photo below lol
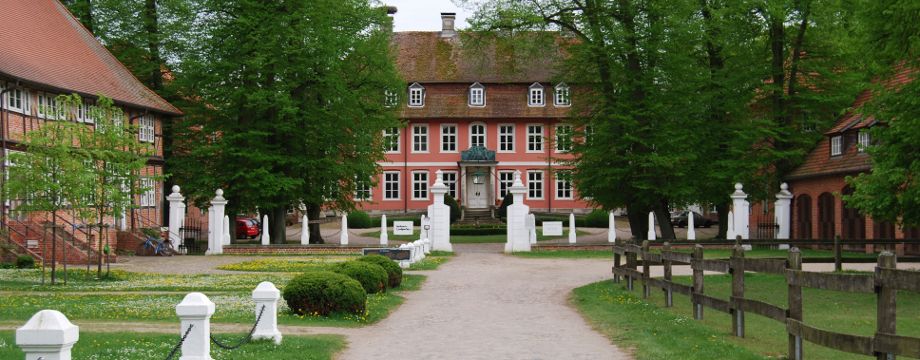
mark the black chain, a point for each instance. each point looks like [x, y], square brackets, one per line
[245, 339]
[179, 345]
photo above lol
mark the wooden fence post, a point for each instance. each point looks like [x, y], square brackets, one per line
[645, 269]
[838, 260]
[887, 304]
[630, 264]
[737, 271]
[668, 294]
[616, 260]
[794, 312]
[697, 280]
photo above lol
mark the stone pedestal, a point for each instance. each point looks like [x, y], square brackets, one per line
[195, 310]
[439, 213]
[216, 224]
[176, 215]
[518, 238]
[48, 335]
[266, 295]
[741, 210]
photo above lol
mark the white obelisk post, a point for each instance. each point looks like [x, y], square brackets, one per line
[305, 230]
[611, 228]
[651, 225]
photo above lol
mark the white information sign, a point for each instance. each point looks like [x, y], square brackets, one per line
[552, 228]
[402, 228]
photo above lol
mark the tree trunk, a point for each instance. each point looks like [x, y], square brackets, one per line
[316, 237]
[276, 226]
[638, 221]
[722, 209]
[664, 221]
[152, 31]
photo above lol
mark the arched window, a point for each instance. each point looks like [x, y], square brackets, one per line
[477, 134]
[826, 216]
[477, 95]
[853, 223]
[803, 216]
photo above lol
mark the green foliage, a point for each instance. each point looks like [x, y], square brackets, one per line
[454, 208]
[324, 293]
[359, 220]
[373, 277]
[394, 272]
[25, 262]
[503, 207]
[597, 219]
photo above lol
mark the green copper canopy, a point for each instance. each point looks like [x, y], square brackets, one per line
[477, 154]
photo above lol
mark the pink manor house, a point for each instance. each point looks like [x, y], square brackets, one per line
[470, 117]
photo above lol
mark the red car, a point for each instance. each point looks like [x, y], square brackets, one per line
[247, 228]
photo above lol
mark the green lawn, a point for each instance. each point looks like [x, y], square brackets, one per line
[118, 280]
[145, 346]
[611, 309]
[432, 261]
[286, 265]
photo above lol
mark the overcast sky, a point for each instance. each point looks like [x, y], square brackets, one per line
[425, 15]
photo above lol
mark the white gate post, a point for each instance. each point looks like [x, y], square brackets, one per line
[266, 295]
[651, 225]
[439, 213]
[266, 237]
[216, 226]
[305, 230]
[226, 237]
[48, 335]
[783, 212]
[384, 237]
[532, 228]
[611, 228]
[741, 209]
[176, 215]
[518, 238]
[343, 234]
[195, 310]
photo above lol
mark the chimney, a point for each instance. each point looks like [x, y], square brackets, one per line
[447, 25]
[391, 13]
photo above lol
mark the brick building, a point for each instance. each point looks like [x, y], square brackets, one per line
[44, 52]
[478, 122]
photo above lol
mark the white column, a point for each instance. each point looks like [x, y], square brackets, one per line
[439, 213]
[741, 210]
[216, 226]
[532, 228]
[730, 232]
[48, 335]
[691, 226]
[176, 215]
[783, 210]
[305, 230]
[195, 310]
[226, 238]
[266, 237]
[651, 225]
[518, 238]
[611, 228]
[384, 236]
[572, 231]
[343, 235]
[266, 296]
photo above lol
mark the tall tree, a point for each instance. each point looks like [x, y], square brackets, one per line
[289, 105]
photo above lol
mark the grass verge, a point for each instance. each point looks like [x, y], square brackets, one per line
[432, 261]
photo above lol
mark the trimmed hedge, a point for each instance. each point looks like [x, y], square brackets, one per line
[373, 277]
[25, 262]
[359, 220]
[394, 272]
[323, 293]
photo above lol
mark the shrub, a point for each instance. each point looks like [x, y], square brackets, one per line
[597, 219]
[371, 276]
[454, 208]
[323, 293]
[359, 220]
[503, 208]
[25, 262]
[394, 272]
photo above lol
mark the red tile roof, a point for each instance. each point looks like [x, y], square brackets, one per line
[41, 42]
[853, 120]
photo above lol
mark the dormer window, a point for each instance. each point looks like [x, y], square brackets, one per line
[416, 95]
[836, 145]
[561, 97]
[535, 95]
[477, 95]
[864, 140]
[391, 98]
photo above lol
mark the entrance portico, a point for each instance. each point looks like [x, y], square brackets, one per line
[477, 169]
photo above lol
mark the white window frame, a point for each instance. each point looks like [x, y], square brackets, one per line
[477, 95]
[557, 137]
[485, 133]
[390, 99]
[22, 99]
[450, 179]
[502, 136]
[146, 128]
[535, 146]
[83, 112]
[48, 107]
[420, 138]
[564, 186]
[536, 95]
[420, 185]
[416, 95]
[864, 140]
[534, 186]
[149, 197]
[387, 134]
[589, 134]
[837, 145]
[363, 187]
[452, 136]
[562, 95]
[391, 178]
[505, 180]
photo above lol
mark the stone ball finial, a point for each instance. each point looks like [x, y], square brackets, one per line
[219, 192]
[784, 186]
[175, 189]
[738, 186]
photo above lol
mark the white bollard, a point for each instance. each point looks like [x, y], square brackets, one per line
[572, 231]
[48, 335]
[532, 228]
[651, 225]
[384, 236]
[691, 226]
[730, 231]
[266, 237]
[305, 230]
[343, 234]
[611, 228]
[266, 296]
[195, 311]
[226, 238]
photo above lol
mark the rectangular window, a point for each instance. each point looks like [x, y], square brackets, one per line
[836, 145]
[391, 99]
[562, 96]
[477, 97]
[420, 185]
[534, 138]
[420, 138]
[450, 179]
[83, 113]
[535, 185]
[416, 96]
[15, 99]
[362, 190]
[145, 126]
[563, 185]
[391, 140]
[149, 197]
[589, 134]
[477, 135]
[506, 138]
[536, 97]
[391, 185]
[864, 140]
[505, 180]
[563, 138]
[448, 138]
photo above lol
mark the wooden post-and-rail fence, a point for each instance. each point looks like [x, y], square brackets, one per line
[885, 283]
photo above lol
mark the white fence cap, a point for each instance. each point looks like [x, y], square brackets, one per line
[47, 328]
